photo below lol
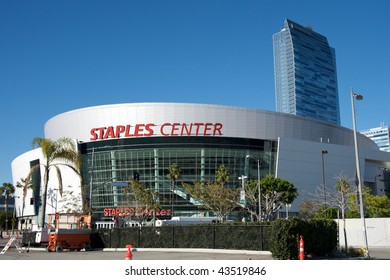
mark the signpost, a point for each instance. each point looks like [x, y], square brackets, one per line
[242, 192]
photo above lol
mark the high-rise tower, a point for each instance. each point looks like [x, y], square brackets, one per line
[305, 74]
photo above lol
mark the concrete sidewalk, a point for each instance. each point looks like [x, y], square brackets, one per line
[39, 253]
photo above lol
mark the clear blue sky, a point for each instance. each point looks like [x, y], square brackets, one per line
[56, 56]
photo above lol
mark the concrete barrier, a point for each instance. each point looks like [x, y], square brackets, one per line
[377, 229]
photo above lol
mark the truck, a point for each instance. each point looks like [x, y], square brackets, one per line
[187, 221]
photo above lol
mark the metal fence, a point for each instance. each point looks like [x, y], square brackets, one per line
[238, 237]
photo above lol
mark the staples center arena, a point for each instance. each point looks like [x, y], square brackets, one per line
[118, 141]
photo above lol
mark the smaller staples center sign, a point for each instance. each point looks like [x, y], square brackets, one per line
[131, 211]
[151, 129]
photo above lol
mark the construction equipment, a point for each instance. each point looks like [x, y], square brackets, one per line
[69, 232]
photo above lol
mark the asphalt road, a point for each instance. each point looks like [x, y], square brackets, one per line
[151, 254]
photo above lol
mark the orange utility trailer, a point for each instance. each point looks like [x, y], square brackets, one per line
[69, 232]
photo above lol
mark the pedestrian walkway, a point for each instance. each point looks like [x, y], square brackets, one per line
[40, 253]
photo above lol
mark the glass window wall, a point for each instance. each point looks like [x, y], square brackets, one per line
[108, 168]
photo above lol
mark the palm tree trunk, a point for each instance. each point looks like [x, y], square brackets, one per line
[44, 194]
[6, 213]
[172, 196]
[345, 239]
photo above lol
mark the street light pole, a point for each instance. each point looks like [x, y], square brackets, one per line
[323, 178]
[242, 193]
[242, 178]
[91, 179]
[258, 182]
[359, 97]
[376, 184]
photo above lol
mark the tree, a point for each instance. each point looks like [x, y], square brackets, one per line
[307, 209]
[61, 152]
[324, 201]
[222, 175]
[343, 188]
[252, 197]
[7, 189]
[71, 202]
[276, 192]
[215, 197]
[374, 206]
[26, 186]
[174, 174]
[378, 206]
[143, 197]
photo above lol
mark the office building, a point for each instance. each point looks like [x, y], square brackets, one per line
[380, 135]
[305, 74]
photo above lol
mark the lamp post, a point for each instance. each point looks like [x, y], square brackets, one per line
[359, 97]
[242, 196]
[91, 179]
[376, 184]
[323, 178]
[258, 182]
[242, 193]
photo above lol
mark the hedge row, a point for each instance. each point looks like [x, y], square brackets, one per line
[319, 235]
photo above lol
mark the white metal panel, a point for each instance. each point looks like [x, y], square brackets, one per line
[237, 122]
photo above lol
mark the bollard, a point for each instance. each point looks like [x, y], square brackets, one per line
[129, 255]
[301, 249]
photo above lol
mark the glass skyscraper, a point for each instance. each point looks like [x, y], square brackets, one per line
[305, 74]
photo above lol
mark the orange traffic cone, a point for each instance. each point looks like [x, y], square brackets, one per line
[301, 249]
[129, 255]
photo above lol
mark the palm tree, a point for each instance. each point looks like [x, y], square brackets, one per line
[26, 186]
[222, 175]
[61, 152]
[7, 189]
[173, 175]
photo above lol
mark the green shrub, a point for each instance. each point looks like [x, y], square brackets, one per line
[319, 235]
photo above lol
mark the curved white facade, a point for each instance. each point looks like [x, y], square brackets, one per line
[168, 119]
[143, 136]
[55, 203]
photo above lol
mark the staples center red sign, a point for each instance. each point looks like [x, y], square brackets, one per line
[151, 129]
[131, 211]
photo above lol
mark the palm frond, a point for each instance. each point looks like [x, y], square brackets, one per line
[59, 177]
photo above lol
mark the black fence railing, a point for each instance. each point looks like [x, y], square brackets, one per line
[236, 237]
